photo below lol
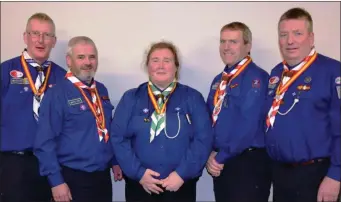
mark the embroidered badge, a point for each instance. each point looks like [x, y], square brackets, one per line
[256, 83]
[303, 87]
[25, 88]
[307, 79]
[214, 86]
[21, 81]
[82, 107]
[145, 110]
[75, 101]
[234, 85]
[105, 98]
[270, 92]
[338, 80]
[16, 74]
[274, 80]
[177, 108]
[51, 85]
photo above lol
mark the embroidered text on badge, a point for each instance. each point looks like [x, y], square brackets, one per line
[75, 101]
[21, 81]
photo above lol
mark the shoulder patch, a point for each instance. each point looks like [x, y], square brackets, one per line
[338, 80]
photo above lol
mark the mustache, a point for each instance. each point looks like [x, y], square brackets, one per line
[86, 67]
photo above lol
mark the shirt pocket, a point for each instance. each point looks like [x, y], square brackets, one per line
[140, 121]
[178, 124]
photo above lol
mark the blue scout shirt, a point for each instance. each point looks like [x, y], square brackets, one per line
[186, 154]
[67, 132]
[18, 125]
[312, 127]
[240, 122]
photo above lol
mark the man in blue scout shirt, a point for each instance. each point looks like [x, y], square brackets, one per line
[72, 142]
[239, 161]
[24, 81]
[303, 120]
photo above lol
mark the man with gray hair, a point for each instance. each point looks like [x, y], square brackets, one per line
[72, 142]
[24, 81]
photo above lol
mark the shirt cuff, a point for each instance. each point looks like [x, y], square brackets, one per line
[221, 157]
[114, 161]
[334, 172]
[55, 179]
[140, 173]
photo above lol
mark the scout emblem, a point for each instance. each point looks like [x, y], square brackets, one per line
[145, 110]
[307, 79]
[82, 107]
[256, 83]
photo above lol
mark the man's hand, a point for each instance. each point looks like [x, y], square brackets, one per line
[173, 182]
[212, 166]
[149, 183]
[61, 193]
[329, 190]
[116, 170]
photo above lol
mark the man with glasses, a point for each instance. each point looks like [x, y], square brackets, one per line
[24, 80]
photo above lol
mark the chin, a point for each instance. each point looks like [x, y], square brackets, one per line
[41, 55]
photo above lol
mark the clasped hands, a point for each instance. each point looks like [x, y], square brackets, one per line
[152, 185]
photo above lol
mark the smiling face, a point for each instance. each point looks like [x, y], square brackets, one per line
[232, 46]
[83, 61]
[295, 40]
[161, 67]
[40, 39]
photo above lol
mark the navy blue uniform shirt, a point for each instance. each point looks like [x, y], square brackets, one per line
[240, 122]
[186, 114]
[311, 129]
[18, 125]
[67, 133]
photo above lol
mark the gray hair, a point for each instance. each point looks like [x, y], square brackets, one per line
[77, 40]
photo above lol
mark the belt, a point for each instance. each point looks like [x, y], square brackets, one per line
[310, 162]
[19, 153]
[246, 150]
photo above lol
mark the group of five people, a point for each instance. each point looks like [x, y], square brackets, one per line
[60, 140]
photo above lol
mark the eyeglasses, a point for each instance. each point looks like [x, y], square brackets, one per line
[36, 35]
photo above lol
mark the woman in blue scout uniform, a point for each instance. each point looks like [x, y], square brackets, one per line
[24, 81]
[161, 133]
[239, 164]
[303, 116]
[72, 142]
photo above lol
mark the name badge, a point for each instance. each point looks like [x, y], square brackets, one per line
[75, 101]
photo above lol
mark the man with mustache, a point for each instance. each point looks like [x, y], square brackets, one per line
[72, 142]
[24, 81]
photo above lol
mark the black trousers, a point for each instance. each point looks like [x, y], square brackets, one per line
[134, 192]
[20, 180]
[88, 186]
[245, 178]
[298, 183]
